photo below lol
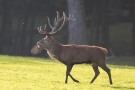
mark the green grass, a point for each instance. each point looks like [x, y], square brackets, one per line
[30, 73]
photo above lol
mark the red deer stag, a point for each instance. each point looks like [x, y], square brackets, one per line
[72, 54]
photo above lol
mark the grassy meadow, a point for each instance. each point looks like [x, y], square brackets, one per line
[31, 73]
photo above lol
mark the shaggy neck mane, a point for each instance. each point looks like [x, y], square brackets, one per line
[55, 50]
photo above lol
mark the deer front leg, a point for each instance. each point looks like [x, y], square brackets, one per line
[69, 68]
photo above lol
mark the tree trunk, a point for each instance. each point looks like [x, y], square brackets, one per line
[133, 45]
[133, 23]
[6, 27]
[104, 24]
[17, 36]
[93, 22]
[24, 27]
[77, 29]
[97, 14]
[4, 22]
[31, 30]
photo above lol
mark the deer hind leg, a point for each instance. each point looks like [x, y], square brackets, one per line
[95, 68]
[69, 68]
[73, 78]
[107, 70]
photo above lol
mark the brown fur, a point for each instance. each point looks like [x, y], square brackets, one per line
[72, 54]
[76, 54]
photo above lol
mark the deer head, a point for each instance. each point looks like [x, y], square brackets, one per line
[48, 41]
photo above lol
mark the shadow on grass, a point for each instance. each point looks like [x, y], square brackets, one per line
[122, 61]
[119, 87]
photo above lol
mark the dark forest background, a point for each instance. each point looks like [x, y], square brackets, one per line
[106, 23]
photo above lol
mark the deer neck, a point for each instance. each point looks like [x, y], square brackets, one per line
[55, 50]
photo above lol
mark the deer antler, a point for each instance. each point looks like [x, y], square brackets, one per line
[56, 23]
[40, 30]
[65, 20]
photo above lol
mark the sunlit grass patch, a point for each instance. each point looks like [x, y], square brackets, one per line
[30, 73]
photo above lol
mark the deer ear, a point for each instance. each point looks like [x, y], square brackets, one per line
[49, 37]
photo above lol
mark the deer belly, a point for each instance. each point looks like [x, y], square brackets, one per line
[81, 59]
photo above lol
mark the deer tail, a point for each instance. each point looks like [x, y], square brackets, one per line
[105, 51]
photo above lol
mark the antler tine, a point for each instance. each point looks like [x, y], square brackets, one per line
[45, 29]
[64, 21]
[40, 30]
[58, 15]
[57, 20]
[56, 23]
[49, 23]
[69, 18]
[64, 16]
